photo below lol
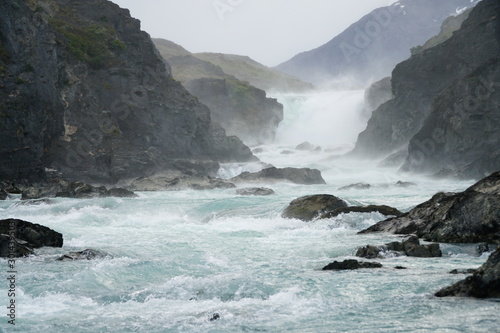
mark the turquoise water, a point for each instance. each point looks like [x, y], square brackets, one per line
[178, 258]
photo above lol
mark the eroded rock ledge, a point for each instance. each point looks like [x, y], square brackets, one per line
[472, 216]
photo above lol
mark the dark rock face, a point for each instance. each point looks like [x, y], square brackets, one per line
[377, 94]
[303, 176]
[410, 247]
[261, 191]
[418, 81]
[85, 92]
[311, 207]
[484, 283]
[382, 209]
[461, 137]
[350, 264]
[241, 109]
[471, 216]
[370, 48]
[26, 236]
[87, 254]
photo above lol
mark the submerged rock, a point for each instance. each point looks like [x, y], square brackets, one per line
[410, 247]
[382, 209]
[12, 247]
[484, 283]
[471, 216]
[87, 254]
[463, 271]
[81, 190]
[27, 235]
[309, 207]
[357, 186]
[304, 176]
[305, 146]
[255, 191]
[160, 183]
[350, 264]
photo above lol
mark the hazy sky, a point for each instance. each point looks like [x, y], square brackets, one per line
[269, 31]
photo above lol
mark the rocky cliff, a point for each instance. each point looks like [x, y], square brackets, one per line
[85, 93]
[449, 88]
[239, 107]
[369, 49]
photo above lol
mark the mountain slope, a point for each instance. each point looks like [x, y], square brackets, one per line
[445, 102]
[369, 49]
[258, 75]
[85, 93]
[240, 108]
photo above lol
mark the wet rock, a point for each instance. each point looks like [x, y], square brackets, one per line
[382, 209]
[160, 183]
[482, 248]
[11, 247]
[255, 191]
[405, 184]
[304, 176]
[305, 146]
[87, 254]
[463, 271]
[471, 216]
[215, 317]
[484, 283]
[287, 152]
[309, 207]
[350, 264]
[410, 247]
[120, 193]
[29, 235]
[400, 267]
[357, 186]
[3, 195]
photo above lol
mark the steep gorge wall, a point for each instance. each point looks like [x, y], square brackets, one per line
[86, 93]
[417, 81]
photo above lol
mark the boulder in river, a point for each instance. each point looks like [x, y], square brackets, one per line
[310, 207]
[382, 209]
[87, 254]
[260, 191]
[357, 186]
[484, 283]
[304, 176]
[26, 235]
[410, 247]
[471, 216]
[350, 264]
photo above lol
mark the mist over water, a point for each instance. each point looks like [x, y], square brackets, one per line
[330, 119]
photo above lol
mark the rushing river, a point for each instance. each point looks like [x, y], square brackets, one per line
[213, 261]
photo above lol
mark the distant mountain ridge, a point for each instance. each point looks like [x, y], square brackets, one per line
[369, 49]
